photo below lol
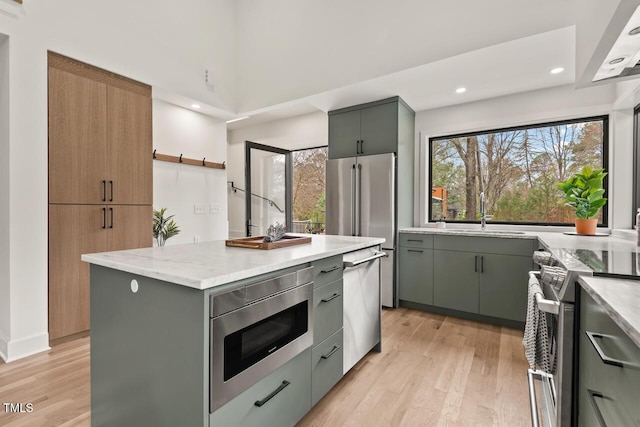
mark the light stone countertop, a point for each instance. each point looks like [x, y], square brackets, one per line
[620, 298]
[209, 264]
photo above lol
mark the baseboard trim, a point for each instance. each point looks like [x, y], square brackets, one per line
[25, 347]
[4, 346]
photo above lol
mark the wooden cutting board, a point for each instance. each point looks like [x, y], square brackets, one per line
[258, 242]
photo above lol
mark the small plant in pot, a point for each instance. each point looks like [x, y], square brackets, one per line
[163, 227]
[584, 193]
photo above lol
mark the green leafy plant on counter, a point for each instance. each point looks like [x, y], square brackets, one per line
[584, 192]
[163, 227]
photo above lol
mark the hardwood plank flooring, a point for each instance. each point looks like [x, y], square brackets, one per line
[433, 371]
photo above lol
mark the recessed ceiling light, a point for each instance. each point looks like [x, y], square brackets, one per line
[557, 70]
[616, 61]
[634, 31]
[195, 106]
[237, 120]
[461, 90]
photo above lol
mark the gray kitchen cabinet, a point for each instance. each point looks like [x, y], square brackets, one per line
[367, 129]
[608, 370]
[416, 275]
[502, 290]
[259, 406]
[456, 281]
[327, 310]
[326, 366]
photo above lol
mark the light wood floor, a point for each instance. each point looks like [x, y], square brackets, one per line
[433, 371]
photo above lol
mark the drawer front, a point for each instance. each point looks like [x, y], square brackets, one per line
[618, 383]
[488, 245]
[416, 240]
[326, 361]
[285, 408]
[327, 270]
[327, 310]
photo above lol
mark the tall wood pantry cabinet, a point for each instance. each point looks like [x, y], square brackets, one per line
[100, 179]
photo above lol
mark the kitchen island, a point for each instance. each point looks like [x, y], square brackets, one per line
[164, 351]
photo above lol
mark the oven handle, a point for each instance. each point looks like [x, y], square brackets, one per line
[260, 403]
[349, 264]
[605, 359]
[545, 305]
[531, 377]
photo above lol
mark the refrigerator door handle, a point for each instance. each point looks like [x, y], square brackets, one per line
[353, 201]
[358, 197]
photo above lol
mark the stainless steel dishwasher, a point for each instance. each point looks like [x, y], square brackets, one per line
[361, 296]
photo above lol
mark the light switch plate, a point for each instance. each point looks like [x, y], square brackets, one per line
[214, 209]
[199, 209]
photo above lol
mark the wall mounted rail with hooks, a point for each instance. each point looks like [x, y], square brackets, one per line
[271, 202]
[187, 161]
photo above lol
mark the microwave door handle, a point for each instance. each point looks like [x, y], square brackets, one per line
[349, 264]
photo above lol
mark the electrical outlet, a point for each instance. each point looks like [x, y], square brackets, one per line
[214, 209]
[199, 209]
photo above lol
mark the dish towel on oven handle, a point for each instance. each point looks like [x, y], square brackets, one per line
[536, 333]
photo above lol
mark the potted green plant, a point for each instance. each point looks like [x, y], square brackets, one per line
[583, 192]
[163, 227]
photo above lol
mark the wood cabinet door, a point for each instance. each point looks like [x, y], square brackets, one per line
[379, 129]
[77, 138]
[455, 277]
[504, 286]
[130, 227]
[130, 168]
[344, 133]
[73, 230]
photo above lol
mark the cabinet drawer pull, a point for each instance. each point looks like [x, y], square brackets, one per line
[482, 264]
[111, 185]
[104, 218]
[414, 240]
[260, 403]
[334, 268]
[334, 296]
[111, 212]
[104, 190]
[333, 350]
[592, 395]
[475, 264]
[415, 250]
[605, 359]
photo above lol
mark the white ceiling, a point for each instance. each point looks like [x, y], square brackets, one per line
[511, 67]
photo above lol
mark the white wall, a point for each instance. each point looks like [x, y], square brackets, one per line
[530, 107]
[4, 195]
[178, 187]
[309, 130]
[159, 42]
[288, 49]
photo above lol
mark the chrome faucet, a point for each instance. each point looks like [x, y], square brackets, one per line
[483, 214]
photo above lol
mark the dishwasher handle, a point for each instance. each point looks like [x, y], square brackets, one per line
[349, 264]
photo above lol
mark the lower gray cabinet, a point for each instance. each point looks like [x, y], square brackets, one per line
[503, 286]
[281, 398]
[326, 366]
[416, 275]
[455, 276]
[327, 311]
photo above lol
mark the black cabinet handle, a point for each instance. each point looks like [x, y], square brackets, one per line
[415, 250]
[111, 211]
[605, 359]
[334, 296]
[333, 350]
[475, 264]
[482, 264]
[260, 403]
[104, 190]
[111, 184]
[362, 146]
[592, 395]
[358, 147]
[414, 240]
[104, 217]
[334, 268]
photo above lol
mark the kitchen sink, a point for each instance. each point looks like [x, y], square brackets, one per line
[472, 230]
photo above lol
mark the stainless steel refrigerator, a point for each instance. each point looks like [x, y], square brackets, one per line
[360, 201]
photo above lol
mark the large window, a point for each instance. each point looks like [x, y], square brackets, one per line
[516, 168]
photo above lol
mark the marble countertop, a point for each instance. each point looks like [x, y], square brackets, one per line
[620, 298]
[209, 264]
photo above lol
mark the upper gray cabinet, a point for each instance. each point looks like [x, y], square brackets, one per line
[367, 129]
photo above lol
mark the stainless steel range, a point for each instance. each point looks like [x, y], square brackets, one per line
[557, 304]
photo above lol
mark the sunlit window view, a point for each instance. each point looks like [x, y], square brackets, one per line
[308, 192]
[516, 168]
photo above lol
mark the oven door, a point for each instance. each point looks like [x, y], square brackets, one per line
[249, 343]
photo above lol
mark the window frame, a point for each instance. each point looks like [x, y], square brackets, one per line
[605, 164]
[636, 165]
